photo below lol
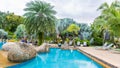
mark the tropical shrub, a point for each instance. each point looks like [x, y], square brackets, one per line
[98, 41]
[20, 31]
[77, 39]
[3, 33]
[62, 24]
[73, 28]
[85, 31]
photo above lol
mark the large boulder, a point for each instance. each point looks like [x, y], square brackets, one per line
[42, 48]
[21, 52]
[9, 45]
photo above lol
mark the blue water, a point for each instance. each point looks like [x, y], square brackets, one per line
[58, 58]
[1, 43]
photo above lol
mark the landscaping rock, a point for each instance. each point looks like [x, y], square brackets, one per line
[65, 47]
[43, 48]
[9, 45]
[68, 47]
[21, 53]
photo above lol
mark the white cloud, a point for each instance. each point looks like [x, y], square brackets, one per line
[79, 10]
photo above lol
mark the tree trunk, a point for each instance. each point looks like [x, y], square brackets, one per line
[40, 38]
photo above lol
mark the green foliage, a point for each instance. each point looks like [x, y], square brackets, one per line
[82, 41]
[62, 24]
[50, 37]
[12, 22]
[2, 19]
[109, 20]
[111, 15]
[10, 35]
[98, 41]
[40, 18]
[77, 39]
[87, 41]
[114, 23]
[20, 31]
[3, 33]
[85, 31]
[67, 40]
[63, 33]
[73, 28]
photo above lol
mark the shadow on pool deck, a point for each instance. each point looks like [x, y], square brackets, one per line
[104, 55]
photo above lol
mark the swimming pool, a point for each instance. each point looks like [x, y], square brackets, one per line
[1, 43]
[58, 58]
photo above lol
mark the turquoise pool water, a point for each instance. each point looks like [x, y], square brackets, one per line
[1, 43]
[58, 58]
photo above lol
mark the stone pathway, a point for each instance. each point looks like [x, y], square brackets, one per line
[104, 55]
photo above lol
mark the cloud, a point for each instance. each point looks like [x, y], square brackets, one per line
[80, 10]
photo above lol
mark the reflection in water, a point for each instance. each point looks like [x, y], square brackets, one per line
[57, 55]
[71, 50]
[58, 58]
[42, 58]
[88, 64]
[36, 61]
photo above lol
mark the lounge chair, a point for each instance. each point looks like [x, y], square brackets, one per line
[78, 43]
[101, 47]
[108, 47]
[85, 44]
[70, 43]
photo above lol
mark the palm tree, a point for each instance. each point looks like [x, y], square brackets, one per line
[39, 18]
[111, 13]
[108, 21]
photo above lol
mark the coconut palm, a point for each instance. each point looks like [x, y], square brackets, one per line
[108, 21]
[108, 9]
[111, 13]
[39, 18]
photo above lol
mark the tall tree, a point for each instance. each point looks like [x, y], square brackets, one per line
[62, 24]
[39, 18]
[111, 14]
[73, 28]
[12, 21]
[108, 21]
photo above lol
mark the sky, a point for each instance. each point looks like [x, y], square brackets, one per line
[82, 11]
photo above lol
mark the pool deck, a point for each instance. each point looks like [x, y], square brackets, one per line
[3, 60]
[105, 55]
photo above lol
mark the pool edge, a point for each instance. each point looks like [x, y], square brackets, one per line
[98, 60]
